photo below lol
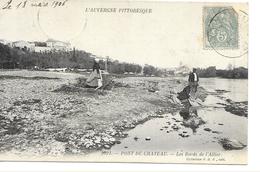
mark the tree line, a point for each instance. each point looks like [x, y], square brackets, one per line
[11, 58]
[230, 73]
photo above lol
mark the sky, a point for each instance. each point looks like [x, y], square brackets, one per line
[170, 34]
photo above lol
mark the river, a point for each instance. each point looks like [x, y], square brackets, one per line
[158, 134]
[238, 88]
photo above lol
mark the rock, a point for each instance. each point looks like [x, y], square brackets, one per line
[216, 132]
[126, 147]
[124, 135]
[97, 139]
[175, 127]
[148, 138]
[221, 91]
[229, 100]
[131, 126]
[152, 90]
[113, 133]
[107, 146]
[184, 135]
[237, 108]
[117, 134]
[112, 139]
[136, 138]
[193, 122]
[3, 132]
[118, 142]
[75, 151]
[231, 144]
[207, 129]
[61, 138]
[91, 133]
[106, 139]
[220, 124]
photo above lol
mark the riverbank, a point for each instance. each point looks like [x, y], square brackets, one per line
[39, 117]
[47, 113]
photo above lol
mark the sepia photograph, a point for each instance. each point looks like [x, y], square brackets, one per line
[124, 81]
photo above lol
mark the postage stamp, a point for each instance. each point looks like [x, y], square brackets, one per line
[220, 28]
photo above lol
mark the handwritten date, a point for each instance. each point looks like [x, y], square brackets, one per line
[11, 4]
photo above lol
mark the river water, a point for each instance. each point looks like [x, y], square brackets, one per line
[158, 134]
[238, 88]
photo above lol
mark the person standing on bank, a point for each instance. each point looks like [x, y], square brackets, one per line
[193, 80]
[95, 78]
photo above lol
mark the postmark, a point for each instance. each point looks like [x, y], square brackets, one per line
[220, 28]
[50, 25]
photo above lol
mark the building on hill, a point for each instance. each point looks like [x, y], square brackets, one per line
[41, 47]
[52, 45]
[58, 45]
[24, 45]
[5, 42]
[49, 46]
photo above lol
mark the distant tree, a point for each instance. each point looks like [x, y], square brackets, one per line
[208, 72]
[236, 73]
[150, 70]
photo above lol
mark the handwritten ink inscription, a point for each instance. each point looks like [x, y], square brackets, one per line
[11, 4]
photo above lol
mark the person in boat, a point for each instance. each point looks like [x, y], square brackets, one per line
[95, 78]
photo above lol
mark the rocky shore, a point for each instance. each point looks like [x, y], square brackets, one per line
[48, 113]
[38, 112]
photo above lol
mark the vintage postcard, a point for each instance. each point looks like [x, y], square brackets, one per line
[123, 81]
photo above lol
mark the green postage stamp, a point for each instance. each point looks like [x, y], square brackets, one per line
[220, 28]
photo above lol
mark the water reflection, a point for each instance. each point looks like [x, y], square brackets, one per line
[191, 118]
